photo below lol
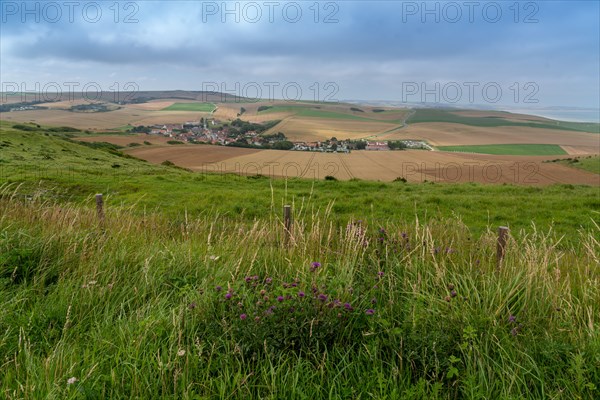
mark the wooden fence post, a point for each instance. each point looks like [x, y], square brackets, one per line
[100, 207]
[501, 247]
[287, 222]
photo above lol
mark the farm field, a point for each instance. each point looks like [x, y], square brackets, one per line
[451, 134]
[413, 165]
[509, 149]
[200, 107]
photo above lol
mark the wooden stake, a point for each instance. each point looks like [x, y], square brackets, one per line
[501, 247]
[100, 207]
[287, 222]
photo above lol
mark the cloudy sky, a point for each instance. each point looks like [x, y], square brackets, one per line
[537, 54]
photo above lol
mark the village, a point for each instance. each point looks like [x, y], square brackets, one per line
[245, 134]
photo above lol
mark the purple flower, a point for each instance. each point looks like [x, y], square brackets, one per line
[243, 316]
[228, 296]
[404, 235]
[512, 318]
[347, 306]
[380, 274]
[301, 294]
[280, 298]
[268, 280]
[323, 297]
[370, 311]
[248, 279]
[453, 293]
[218, 288]
[514, 331]
[314, 266]
[294, 284]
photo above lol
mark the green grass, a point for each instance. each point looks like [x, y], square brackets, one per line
[434, 115]
[589, 163]
[200, 107]
[129, 307]
[509, 149]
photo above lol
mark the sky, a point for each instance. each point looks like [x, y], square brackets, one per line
[502, 54]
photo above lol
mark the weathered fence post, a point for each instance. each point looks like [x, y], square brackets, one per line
[501, 247]
[287, 222]
[100, 208]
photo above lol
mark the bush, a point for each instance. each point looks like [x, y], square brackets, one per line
[330, 178]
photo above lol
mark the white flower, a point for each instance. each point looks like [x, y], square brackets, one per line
[71, 380]
[181, 353]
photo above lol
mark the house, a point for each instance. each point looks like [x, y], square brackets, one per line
[377, 146]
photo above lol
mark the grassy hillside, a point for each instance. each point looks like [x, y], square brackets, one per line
[589, 163]
[189, 288]
[435, 115]
[216, 307]
[200, 107]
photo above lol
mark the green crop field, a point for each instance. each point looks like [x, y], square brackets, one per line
[509, 149]
[433, 115]
[189, 286]
[200, 107]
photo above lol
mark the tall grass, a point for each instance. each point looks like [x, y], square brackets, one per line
[144, 307]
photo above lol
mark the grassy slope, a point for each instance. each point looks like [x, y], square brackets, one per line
[433, 115]
[201, 107]
[131, 310]
[509, 149]
[589, 163]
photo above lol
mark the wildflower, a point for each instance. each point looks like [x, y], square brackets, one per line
[294, 284]
[192, 306]
[323, 297]
[348, 306]
[181, 353]
[228, 296]
[373, 301]
[218, 288]
[314, 266]
[453, 293]
[268, 280]
[450, 287]
[248, 279]
[447, 298]
[257, 318]
[370, 311]
[243, 316]
[514, 331]
[71, 380]
[280, 298]
[404, 235]
[512, 319]
[262, 292]
[285, 285]
[301, 294]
